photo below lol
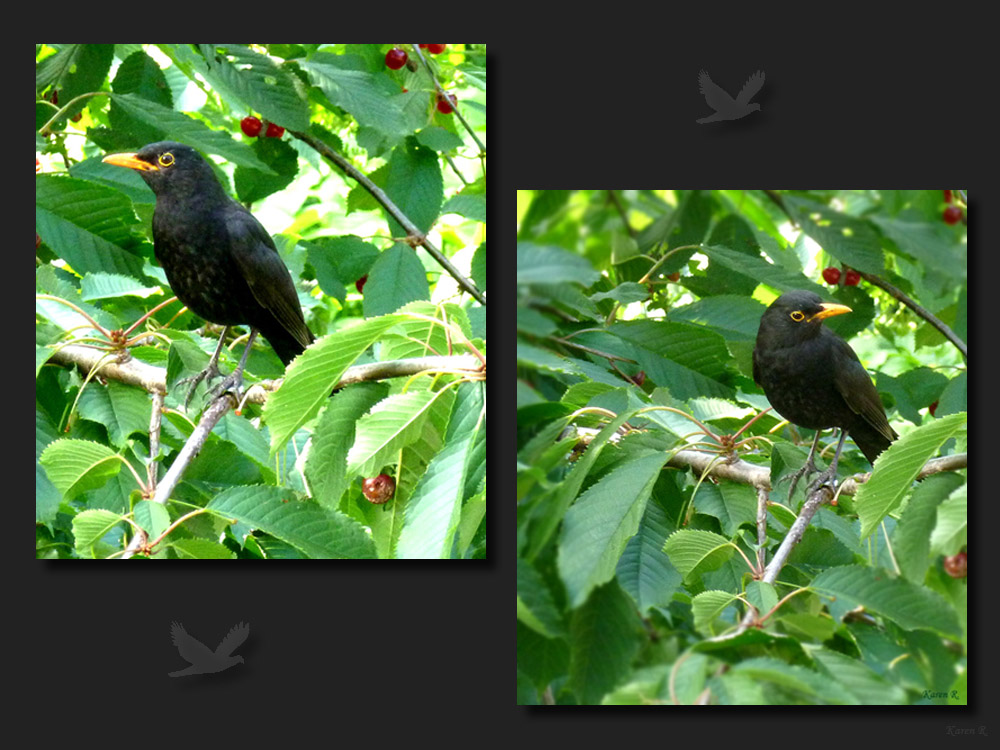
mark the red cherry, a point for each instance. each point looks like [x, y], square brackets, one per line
[957, 566]
[274, 131]
[379, 489]
[852, 277]
[360, 283]
[395, 58]
[947, 196]
[952, 215]
[250, 126]
[831, 274]
[932, 408]
[639, 378]
[422, 46]
[436, 49]
[445, 105]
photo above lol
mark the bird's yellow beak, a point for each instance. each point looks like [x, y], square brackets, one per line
[131, 161]
[829, 310]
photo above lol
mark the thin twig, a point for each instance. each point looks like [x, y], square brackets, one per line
[920, 311]
[443, 93]
[414, 235]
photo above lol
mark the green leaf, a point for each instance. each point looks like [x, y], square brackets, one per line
[396, 278]
[392, 424]
[414, 183]
[604, 636]
[365, 95]
[897, 468]
[283, 161]
[731, 503]
[757, 268]
[541, 359]
[434, 509]
[535, 605]
[258, 82]
[643, 570]
[439, 139]
[75, 69]
[151, 517]
[317, 533]
[690, 359]
[707, 606]
[180, 127]
[123, 409]
[911, 538]
[96, 286]
[950, 533]
[552, 514]
[693, 551]
[326, 467]
[552, 265]
[909, 605]
[625, 293]
[932, 244]
[762, 596]
[76, 466]
[865, 685]
[470, 206]
[734, 318]
[312, 375]
[600, 523]
[201, 549]
[851, 241]
[788, 678]
[90, 526]
[87, 224]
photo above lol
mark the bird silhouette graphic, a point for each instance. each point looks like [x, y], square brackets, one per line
[727, 108]
[203, 659]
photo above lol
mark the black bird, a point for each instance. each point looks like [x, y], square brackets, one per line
[203, 659]
[220, 262]
[813, 378]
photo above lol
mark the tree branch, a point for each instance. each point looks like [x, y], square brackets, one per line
[415, 236]
[131, 371]
[920, 311]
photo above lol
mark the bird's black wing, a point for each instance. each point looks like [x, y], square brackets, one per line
[855, 386]
[191, 648]
[262, 267]
[232, 641]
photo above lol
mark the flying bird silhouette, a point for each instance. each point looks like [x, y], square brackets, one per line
[203, 659]
[727, 108]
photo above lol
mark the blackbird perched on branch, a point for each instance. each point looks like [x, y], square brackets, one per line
[813, 378]
[219, 260]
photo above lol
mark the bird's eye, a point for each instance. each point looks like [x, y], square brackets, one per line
[166, 159]
[797, 316]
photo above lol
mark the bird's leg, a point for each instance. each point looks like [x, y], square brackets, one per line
[210, 372]
[831, 471]
[809, 467]
[235, 379]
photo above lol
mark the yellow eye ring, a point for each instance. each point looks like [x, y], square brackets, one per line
[797, 316]
[166, 159]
